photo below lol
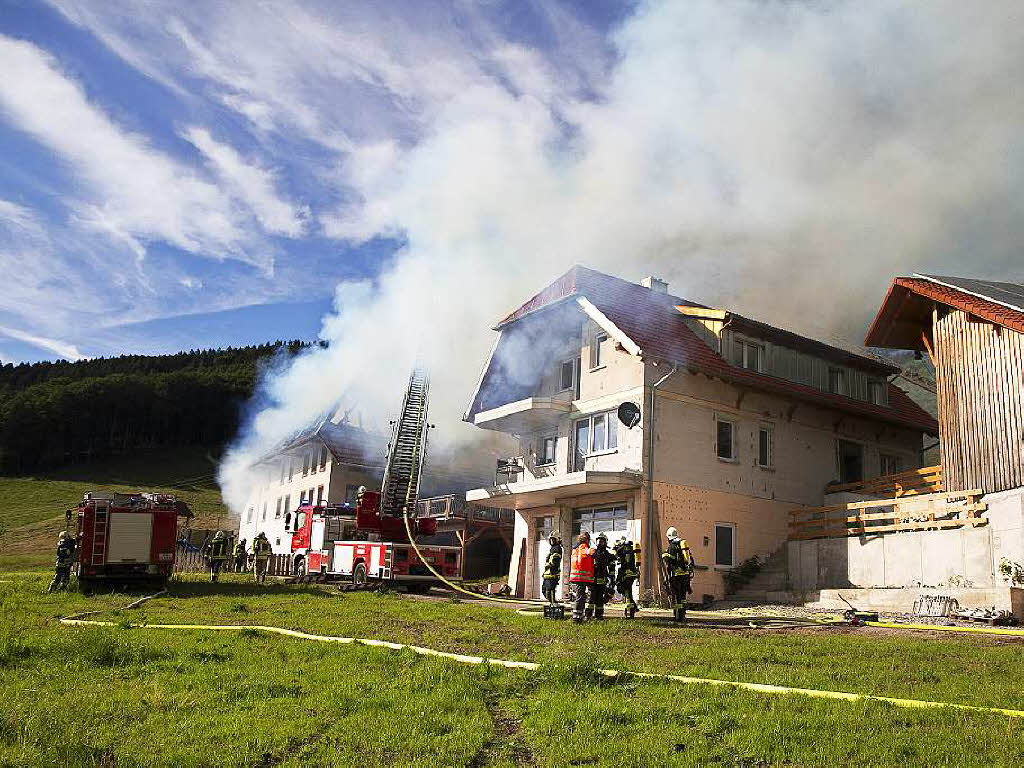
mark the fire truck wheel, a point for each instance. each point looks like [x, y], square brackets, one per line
[300, 568]
[359, 574]
[85, 586]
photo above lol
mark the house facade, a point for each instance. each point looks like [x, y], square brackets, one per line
[733, 423]
[326, 463]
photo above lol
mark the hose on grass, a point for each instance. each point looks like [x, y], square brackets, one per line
[533, 666]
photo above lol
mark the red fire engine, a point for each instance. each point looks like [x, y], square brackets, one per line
[127, 537]
[360, 544]
[369, 541]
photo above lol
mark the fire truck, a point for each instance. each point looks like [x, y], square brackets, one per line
[125, 537]
[368, 542]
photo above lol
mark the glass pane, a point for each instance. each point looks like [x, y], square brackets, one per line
[752, 357]
[763, 448]
[600, 436]
[723, 545]
[725, 439]
[613, 428]
[582, 443]
[567, 371]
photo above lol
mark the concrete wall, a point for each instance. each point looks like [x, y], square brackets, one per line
[914, 558]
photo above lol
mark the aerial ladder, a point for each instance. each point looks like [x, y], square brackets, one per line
[407, 449]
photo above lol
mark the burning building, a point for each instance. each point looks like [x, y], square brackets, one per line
[731, 423]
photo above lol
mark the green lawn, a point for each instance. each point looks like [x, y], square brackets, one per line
[106, 696]
[32, 509]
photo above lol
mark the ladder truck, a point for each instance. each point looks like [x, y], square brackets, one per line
[368, 542]
[126, 537]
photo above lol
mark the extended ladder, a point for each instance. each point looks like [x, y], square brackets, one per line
[408, 448]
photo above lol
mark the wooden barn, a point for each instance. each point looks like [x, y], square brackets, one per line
[973, 331]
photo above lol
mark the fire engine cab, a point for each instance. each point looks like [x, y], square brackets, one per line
[361, 545]
[127, 537]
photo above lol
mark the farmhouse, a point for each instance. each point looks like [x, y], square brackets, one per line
[736, 423]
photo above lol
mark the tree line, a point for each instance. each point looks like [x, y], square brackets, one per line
[58, 413]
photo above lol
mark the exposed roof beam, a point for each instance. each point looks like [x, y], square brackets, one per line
[613, 330]
[702, 313]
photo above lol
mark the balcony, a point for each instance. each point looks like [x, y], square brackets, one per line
[548, 491]
[524, 416]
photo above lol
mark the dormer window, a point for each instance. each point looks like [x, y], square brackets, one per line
[837, 384]
[876, 392]
[749, 355]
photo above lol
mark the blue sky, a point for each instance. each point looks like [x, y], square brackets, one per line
[174, 175]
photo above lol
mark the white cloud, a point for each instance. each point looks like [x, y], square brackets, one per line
[252, 184]
[130, 189]
[60, 348]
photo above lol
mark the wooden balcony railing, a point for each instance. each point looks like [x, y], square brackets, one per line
[951, 509]
[915, 481]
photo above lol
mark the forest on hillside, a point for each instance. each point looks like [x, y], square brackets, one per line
[58, 413]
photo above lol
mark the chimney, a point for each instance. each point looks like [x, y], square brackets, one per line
[655, 284]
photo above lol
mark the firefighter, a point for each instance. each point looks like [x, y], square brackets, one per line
[260, 557]
[679, 568]
[240, 556]
[65, 551]
[552, 567]
[627, 572]
[216, 551]
[581, 575]
[604, 577]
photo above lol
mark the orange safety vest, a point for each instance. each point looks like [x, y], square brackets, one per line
[582, 571]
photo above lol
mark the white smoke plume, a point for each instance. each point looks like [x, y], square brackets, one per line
[785, 159]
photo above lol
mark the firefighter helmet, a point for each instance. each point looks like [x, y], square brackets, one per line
[602, 536]
[672, 533]
[554, 538]
[219, 535]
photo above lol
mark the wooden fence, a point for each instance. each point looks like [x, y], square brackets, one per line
[951, 509]
[195, 562]
[910, 483]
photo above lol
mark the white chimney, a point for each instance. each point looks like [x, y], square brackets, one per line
[655, 284]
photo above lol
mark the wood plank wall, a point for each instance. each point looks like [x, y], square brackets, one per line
[980, 383]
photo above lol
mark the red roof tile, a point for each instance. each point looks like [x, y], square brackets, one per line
[649, 318]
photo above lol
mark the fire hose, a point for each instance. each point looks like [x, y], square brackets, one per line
[460, 658]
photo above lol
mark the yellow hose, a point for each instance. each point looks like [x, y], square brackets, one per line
[533, 666]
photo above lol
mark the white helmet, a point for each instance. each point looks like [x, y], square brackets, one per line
[672, 533]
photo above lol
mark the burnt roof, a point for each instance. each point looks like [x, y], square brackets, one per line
[650, 319]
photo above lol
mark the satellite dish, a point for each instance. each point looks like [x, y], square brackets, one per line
[629, 414]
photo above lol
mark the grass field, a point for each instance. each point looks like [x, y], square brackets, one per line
[130, 696]
[32, 509]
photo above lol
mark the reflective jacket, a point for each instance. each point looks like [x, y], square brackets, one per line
[582, 569]
[65, 550]
[553, 565]
[604, 566]
[678, 561]
[626, 554]
[261, 548]
[239, 549]
[218, 549]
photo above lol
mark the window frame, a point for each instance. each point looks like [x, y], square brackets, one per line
[573, 375]
[842, 378]
[611, 427]
[595, 350]
[839, 462]
[732, 527]
[734, 458]
[542, 459]
[879, 388]
[745, 345]
[770, 450]
[897, 459]
[625, 518]
[277, 513]
[248, 517]
[323, 458]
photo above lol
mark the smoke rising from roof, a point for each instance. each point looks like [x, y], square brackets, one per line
[782, 159]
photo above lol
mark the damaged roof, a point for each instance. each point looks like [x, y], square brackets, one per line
[649, 318]
[347, 443]
[906, 311]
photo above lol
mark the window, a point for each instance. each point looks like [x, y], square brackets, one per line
[288, 502]
[291, 470]
[748, 354]
[582, 444]
[725, 443]
[305, 464]
[287, 520]
[545, 525]
[319, 495]
[890, 463]
[596, 360]
[567, 375]
[248, 517]
[351, 493]
[725, 545]
[323, 458]
[764, 447]
[850, 458]
[595, 520]
[546, 451]
[876, 392]
[596, 434]
[277, 513]
[837, 381]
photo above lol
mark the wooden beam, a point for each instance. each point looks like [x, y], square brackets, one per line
[928, 345]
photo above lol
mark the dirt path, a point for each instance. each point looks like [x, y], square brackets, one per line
[506, 746]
